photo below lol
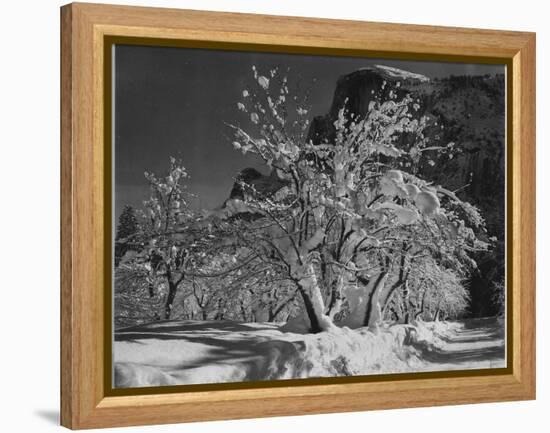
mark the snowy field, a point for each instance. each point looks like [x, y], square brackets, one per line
[194, 352]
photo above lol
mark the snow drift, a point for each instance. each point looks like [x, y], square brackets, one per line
[191, 352]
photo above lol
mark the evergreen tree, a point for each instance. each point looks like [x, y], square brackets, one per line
[127, 226]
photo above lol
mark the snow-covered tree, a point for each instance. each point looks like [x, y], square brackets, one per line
[167, 237]
[428, 293]
[181, 256]
[353, 217]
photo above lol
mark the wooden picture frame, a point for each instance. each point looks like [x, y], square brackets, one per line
[86, 224]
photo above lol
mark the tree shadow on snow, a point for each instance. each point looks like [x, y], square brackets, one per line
[190, 326]
[227, 343]
[494, 353]
[473, 331]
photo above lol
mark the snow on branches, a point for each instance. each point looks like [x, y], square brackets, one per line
[350, 207]
[343, 232]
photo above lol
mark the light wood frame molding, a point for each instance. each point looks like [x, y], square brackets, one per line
[84, 401]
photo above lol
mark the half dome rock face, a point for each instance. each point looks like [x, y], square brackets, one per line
[356, 90]
[467, 110]
[400, 74]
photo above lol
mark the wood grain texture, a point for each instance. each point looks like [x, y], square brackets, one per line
[524, 208]
[84, 26]
[67, 389]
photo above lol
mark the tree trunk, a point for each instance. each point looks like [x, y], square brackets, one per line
[373, 311]
[336, 301]
[407, 303]
[172, 290]
[314, 323]
[311, 294]
[220, 314]
[243, 311]
[401, 280]
[420, 311]
[436, 314]
[363, 301]
[398, 284]
[336, 308]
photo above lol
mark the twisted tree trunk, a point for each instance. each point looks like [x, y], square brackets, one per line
[309, 289]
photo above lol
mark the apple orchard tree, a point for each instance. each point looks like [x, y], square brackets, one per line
[355, 229]
[178, 254]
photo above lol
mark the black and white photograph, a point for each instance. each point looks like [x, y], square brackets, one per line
[285, 216]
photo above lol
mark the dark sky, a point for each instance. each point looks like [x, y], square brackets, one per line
[174, 102]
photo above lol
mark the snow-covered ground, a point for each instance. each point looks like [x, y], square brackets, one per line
[192, 352]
